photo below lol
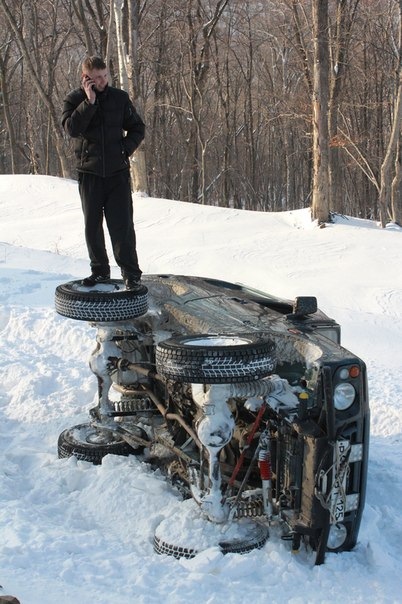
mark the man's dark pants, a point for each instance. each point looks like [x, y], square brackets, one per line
[109, 197]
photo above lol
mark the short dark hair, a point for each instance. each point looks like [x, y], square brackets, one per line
[93, 62]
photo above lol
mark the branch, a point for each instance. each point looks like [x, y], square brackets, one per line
[361, 161]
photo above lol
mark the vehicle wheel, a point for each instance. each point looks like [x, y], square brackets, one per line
[87, 443]
[105, 302]
[177, 551]
[215, 359]
[255, 540]
[251, 536]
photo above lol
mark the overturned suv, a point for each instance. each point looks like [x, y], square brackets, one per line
[247, 402]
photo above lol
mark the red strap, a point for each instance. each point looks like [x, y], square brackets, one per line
[249, 439]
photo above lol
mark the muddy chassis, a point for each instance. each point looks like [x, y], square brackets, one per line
[247, 402]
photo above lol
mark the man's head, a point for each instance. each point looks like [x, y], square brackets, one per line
[95, 69]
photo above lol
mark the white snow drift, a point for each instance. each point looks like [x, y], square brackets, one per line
[75, 533]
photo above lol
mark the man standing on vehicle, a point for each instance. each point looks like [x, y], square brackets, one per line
[107, 130]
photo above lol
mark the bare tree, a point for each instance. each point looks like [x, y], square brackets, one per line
[4, 59]
[391, 160]
[34, 70]
[320, 200]
[92, 17]
[396, 195]
[346, 12]
[201, 24]
[128, 64]
[387, 179]
[227, 91]
[138, 161]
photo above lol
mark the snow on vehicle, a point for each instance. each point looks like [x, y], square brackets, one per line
[247, 402]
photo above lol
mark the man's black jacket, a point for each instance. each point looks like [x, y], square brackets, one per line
[106, 133]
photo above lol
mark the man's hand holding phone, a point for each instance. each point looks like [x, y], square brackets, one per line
[89, 87]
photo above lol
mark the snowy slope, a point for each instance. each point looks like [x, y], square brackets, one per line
[72, 532]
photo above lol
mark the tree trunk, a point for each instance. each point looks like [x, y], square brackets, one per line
[118, 6]
[80, 12]
[396, 193]
[384, 198]
[7, 114]
[320, 202]
[345, 17]
[199, 36]
[138, 160]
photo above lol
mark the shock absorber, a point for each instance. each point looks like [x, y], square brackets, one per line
[264, 464]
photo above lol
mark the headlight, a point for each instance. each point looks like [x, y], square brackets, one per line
[337, 536]
[344, 395]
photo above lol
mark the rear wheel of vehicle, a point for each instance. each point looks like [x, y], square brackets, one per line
[87, 443]
[244, 535]
[215, 359]
[105, 302]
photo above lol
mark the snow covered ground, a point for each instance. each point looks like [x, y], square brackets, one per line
[75, 533]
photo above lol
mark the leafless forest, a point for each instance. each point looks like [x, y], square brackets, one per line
[248, 104]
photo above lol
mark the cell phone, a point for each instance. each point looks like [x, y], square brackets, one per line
[86, 78]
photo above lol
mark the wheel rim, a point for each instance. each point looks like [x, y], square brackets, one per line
[105, 288]
[100, 437]
[217, 341]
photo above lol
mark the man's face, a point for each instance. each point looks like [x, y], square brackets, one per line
[99, 77]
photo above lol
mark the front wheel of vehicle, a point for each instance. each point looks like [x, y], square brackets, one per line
[215, 359]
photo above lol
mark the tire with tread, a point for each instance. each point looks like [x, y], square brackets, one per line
[215, 359]
[240, 546]
[108, 302]
[81, 442]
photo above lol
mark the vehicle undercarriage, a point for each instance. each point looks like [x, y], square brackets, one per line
[248, 403]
